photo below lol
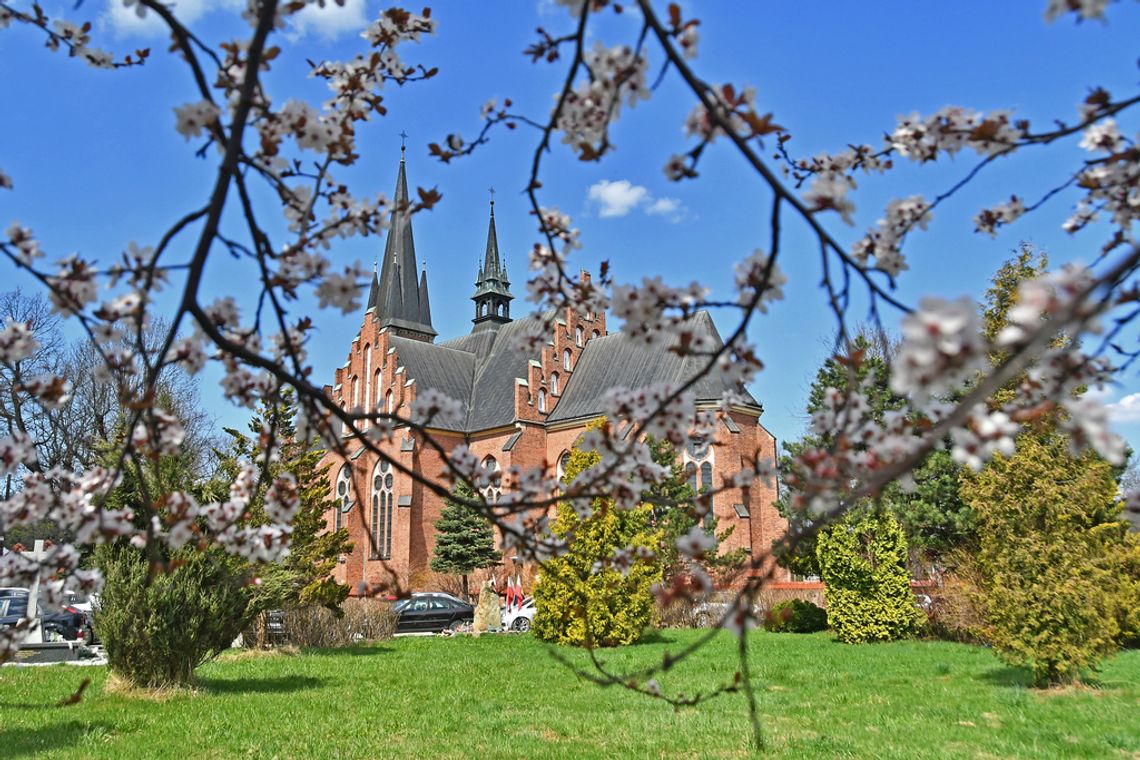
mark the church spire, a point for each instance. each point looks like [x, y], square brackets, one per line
[425, 307]
[401, 304]
[492, 290]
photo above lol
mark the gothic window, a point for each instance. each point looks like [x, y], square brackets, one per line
[494, 489]
[367, 380]
[541, 400]
[566, 359]
[343, 496]
[388, 402]
[382, 509]
[355, 392]
[595, 334]
[563, 463]
[376, 385]
[699, 471]
[554, 383]
[577, 336]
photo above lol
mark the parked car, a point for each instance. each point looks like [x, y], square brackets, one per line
[432, 612]
[83, 604]
[520, 618]
[55, 623]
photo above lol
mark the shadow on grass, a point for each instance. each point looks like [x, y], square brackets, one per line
[364, 650]
[1021, 677]
[1008, 676]
[21, 742]
[275, 685]
[659, 636]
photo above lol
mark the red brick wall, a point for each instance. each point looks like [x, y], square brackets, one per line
[413, 526]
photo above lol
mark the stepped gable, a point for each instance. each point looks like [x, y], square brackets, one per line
[618, 361]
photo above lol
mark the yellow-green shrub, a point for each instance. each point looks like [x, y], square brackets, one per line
[581, 603]
[862, 560]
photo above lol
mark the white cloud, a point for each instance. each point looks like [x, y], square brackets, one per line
[330, 21]
[1126, 410]
[125, 22]
[616, 198]
[668, 207]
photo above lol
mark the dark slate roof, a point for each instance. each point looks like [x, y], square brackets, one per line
[617, 361]
[493, 399]
[446, 370]
[399, 300]
[480, 371]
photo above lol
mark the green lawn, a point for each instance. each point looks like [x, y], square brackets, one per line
[503, 696]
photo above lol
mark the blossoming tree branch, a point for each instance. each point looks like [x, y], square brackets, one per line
[266, 145]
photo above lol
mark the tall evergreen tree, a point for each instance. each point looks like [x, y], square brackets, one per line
[931, 513]
[1052, 544]
[305, 576]
[464, 539]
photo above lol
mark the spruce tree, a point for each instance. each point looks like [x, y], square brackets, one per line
[464, 539]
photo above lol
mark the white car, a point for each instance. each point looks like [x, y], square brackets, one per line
[519, 618]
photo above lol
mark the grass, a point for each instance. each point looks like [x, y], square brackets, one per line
[505, 697]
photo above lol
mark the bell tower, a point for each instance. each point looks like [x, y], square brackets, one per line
[492, 290]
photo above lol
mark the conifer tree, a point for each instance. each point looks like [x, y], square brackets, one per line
[1052, 544]
[464, 539]
[580, 599]
[305, 576]
[931, 514]
[863, 562]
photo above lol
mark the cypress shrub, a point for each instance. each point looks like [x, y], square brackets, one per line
[582, 603]
[1052, 553]
[863, 562]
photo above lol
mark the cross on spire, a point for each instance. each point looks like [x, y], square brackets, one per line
[403, 139]
[491, 190]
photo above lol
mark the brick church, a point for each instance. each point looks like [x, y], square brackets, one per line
[519, 407]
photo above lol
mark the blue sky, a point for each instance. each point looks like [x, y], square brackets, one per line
[97, 163]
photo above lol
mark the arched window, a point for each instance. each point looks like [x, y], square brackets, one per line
[367, 380]
[343, 496]
[577, 336]
[691, 474]
[698, 461]
[554, 383]
[566, 359]
[376, 385]
[388, 401]
[382, 509]
[595, 334]
[355, 393]
[494, 488]
[563, 463]
[541, 400]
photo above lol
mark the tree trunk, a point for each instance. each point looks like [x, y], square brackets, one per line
[466, 595]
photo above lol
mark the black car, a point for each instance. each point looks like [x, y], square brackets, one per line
[69, 625]
[432, 612]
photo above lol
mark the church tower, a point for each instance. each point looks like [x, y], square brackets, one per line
[397, 300]
[492, 290]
